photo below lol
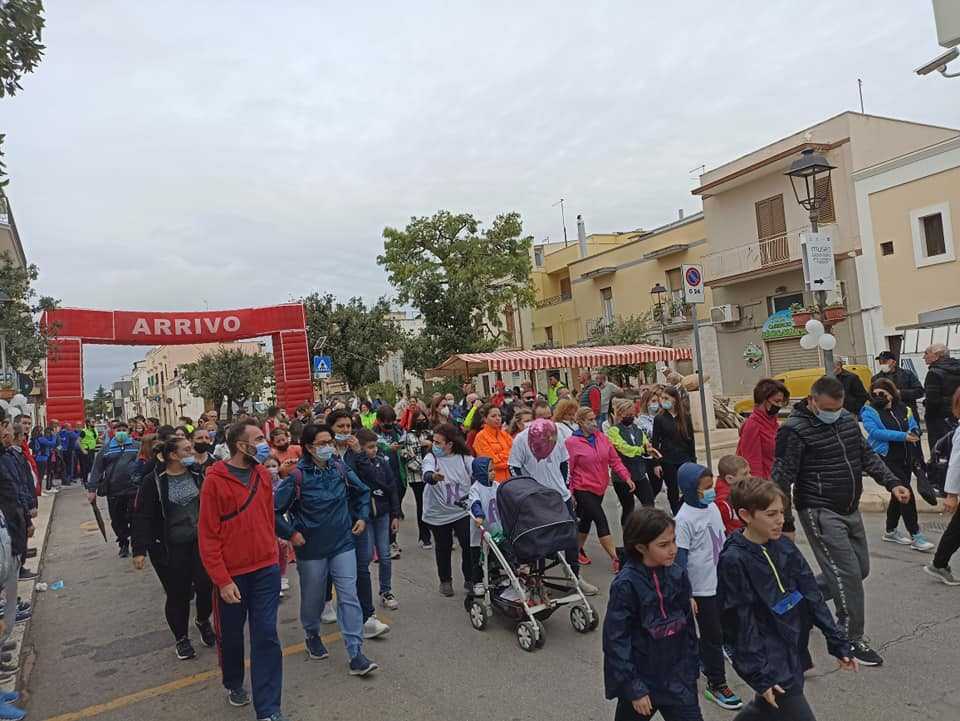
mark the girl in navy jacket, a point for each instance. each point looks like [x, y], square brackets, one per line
[650, 654]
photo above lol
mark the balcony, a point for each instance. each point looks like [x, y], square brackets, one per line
[757, 257]
[553, 300]
[597, 325]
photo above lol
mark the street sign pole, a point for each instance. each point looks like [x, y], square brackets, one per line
[694, 295]
[819, 272]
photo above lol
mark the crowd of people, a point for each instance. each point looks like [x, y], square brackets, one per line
[222, 510]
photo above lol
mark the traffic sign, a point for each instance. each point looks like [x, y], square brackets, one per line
[819, 269]
[26, 383]
[693, 291]
[322, 366]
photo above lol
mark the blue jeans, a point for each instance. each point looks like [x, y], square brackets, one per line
[364, 584]
[259, 598]
[378, 536]
[313, 587]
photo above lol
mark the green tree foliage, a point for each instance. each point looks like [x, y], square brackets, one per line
[228, 373]
[101, 405]
[21, 25]
[460, 278]
[19, 317]
[357, 337]
[631, 330]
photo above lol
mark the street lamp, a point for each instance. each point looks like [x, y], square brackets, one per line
[804, 174]
[658, 291]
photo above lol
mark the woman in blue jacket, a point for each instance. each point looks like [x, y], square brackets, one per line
[45, 455]
[322, 507]
[891, 428]
[651, 659]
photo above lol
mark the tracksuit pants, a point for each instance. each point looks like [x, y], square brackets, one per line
[121, 517]
[181, 573]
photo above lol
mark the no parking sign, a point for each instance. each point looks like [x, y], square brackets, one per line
[692, 284]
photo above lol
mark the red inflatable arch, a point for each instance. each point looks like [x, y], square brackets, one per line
[74, 327]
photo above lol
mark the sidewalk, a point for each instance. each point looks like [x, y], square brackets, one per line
[27, 589]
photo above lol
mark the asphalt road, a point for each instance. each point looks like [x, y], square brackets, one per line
[100, 649]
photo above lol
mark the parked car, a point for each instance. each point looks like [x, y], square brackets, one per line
[799, 382]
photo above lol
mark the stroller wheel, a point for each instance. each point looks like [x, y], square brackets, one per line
[527, 635]
[478, 615]
[542, 638]
[584, 618]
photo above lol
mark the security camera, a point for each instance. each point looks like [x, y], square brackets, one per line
[938, 63]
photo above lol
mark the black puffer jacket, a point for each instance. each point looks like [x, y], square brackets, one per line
[824, 463]
[942, 381]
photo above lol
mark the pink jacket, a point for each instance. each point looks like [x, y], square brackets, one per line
[590, 465]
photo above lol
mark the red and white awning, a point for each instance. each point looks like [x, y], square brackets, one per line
[469, 364]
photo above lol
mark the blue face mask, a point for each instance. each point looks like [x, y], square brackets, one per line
[263, 452]
[342, 437]
[323, 453]
[188, 461]
[653, 409]
[438, 450]
[666, 405]
[122, 437]
[709, 495]
[829, 417]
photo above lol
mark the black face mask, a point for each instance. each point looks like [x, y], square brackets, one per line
[283, 447]
[879, 401]
[773, 411]
[627, 420]
[201, 447]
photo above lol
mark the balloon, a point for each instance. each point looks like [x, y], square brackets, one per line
[19, 400]
[809, 342]
[814, 327]
[828, 341]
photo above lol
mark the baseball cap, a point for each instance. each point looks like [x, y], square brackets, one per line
[886, 356]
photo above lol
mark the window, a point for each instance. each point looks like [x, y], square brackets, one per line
[932, 235]
[782, 302]
[565, 293]
[824, 188]
[538, 256]
[606, 304]
[548, 331]
[771, 221]
[886, 248]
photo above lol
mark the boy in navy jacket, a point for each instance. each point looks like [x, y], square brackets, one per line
[769, 602]
[377, 474]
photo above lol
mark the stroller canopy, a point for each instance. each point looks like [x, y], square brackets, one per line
[535, 519]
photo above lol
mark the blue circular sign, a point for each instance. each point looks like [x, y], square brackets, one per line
[693, 277]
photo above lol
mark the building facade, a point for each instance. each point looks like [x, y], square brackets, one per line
[909, 275]
[754, 222]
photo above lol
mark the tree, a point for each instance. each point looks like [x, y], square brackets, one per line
[460, 278]
[21, 24]
[631, 330]
[357, 337]
[228, 373]
[101, 405]
[26, 340]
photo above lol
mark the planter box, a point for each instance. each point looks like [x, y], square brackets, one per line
[800, 318]
[834, 315]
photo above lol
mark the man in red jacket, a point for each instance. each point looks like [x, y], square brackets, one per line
[238, 546]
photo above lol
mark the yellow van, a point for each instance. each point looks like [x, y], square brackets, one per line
[799, 382]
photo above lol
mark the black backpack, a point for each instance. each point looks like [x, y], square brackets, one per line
[937, 467]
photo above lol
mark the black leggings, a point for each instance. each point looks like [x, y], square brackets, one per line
[896, 510]
[792, 705]
[643, 493]
[949, 543]
[422, 528]
[589, 512]
[711, 640]
[668, 477]
[443, 548]
[180, 573]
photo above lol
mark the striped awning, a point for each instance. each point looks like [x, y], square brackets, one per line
[468, 364]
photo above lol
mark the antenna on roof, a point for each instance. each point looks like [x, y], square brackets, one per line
[860, 88]
[702, 168]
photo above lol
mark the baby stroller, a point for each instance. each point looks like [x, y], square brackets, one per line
[537, 528]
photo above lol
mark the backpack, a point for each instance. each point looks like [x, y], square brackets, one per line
[937, 468]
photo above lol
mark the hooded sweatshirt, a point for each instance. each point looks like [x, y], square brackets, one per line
[942, 381]
[591, 458]
[483, 499]
[700, 532]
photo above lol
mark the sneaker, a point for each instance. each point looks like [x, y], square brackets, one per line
[583, 559]
[723, 696]
[920, 543]
[185, 649]
[284, 583]
[395, 550]
[238, 697]
[276, 716]
[207, 635]
[9, 697]
[360, 665]
[942, 574]
[27, 575]
[124, 552]
[446, 588]
[388, 600]
[329, 614]
[895, 537]
[7, 711]
[315, 648]
[588, 588]
[866, 655]
[374, 627]
[426, 545]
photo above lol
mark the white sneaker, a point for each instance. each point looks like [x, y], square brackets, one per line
[329, 614]
[284, 583]
[588, 588]
[395, 551]
[374, 627]
[388, 600]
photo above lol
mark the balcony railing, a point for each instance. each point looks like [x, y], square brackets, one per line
[756, 256]
[598, 325]
[553, 300]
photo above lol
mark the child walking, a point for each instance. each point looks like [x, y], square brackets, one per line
[650, 657]
[700, 537]
[384, 487]
[483, 506]
[731, 470]
[769, 602]
[283, 547]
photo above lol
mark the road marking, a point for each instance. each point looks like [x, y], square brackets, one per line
[163, 689]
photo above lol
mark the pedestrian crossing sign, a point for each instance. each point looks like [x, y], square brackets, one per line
[322, 366]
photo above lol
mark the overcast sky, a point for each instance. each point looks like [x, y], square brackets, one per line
[183, 155]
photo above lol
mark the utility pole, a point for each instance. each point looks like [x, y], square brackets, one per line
[563, 219]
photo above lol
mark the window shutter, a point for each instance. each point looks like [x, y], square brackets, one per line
[824, 187]
[787, 355]
[771, 220]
